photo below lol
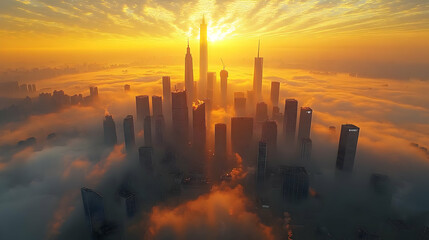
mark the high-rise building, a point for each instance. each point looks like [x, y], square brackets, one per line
[239, 104]
[220, 140]
[94, 210]
[304, 123]
[189, 76]
[295, 183]
[145, 158]
[305, 149]
[147, 128]
[347, 147]
[142, 108]
[261, 112]
[93, 92]
[275, 91]
[166, 94]
[211, 81]
[269, 136]
[159, 129]
[156, 106]
[257, 76]
[224, 86]
[203, 59]
[289, 121]
[199, 125]
[241, 133]
[127, 87]
[109, 127]
[262, 163]
[251, 102]
[277, 116]
[180, 116]
[130, 202]
[130, 140]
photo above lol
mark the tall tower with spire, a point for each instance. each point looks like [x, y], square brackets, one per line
[257, 76]
[189, 76]
[203, 59]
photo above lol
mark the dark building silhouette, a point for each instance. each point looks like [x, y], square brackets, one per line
[211, 81]
[109, 127]
[257, 76]
[224, 86]
[203, 59]
[347, 147]
[127, 87]
[304, 123]
[159, 129]
[239, 104]
[142, 107]
[76, 99]
[145, 158]
[93, 92]
[166, 95]
[147, 128]
[130, 202]
[262, 163]
[156, 106]
[305, 149]
[275, 91]
[180, 116]
[94, 211]
[289, 121]
[189, 76]
[269, 136]
[130, 141]
[276, 116]
[199, 125]
[261, 112]
[295, 183]
[241, 134]
[220, 140]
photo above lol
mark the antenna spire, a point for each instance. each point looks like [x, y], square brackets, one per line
[223, 64]
[204, 20]
[259, 45]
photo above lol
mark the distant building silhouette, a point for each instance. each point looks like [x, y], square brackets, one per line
[142, 108]
[257, 76]
[269, 136]
[147, 128]
[295, 183]
[203, 59]
[262, 163]
[304, 123]
[199, 125]
[156, 106]
[159, 129]
[251, 102]
[305, 149]
[239, 104]
[127, 87]
[109, 127]
[289, 121]
[93, 92]
[189, 76]
[130, 141]
[166, 95]
[180, 116]
[241, 134]
[94, 211]
[275, 91]
[261, 112]
[220, 140]
[347, 147]
[145, 158]
[224, 86]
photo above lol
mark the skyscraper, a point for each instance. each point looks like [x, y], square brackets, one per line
[305, 149]
[261, 112]
[166, 95]
[239, 104]
[156, 106]
[109, 127]
[94, 210]
[203, 58]
[275, 91]
[224, 86]
[189, 76]
[93, 92]
[130, 141]
[347, 147]
[304, 123]
[262, 163]
[269, 136]
[295, 183]
[147, 131]
[180, 116]
[211, 81]
[289, 121]
[257, 76]
[251, 102]
[145, 158]
[142, 108]
[199, 125]
[220, 140]
[159, 129]
[241, 133]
